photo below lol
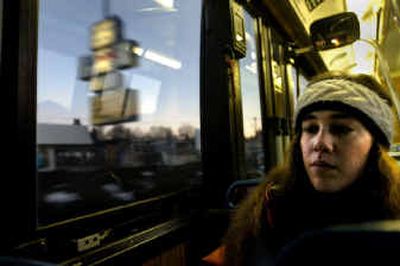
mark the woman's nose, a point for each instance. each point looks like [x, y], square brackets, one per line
[323, 141]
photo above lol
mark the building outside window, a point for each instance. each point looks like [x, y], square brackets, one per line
[118, 117]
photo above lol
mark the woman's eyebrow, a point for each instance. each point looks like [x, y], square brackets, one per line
[340, 116]
[309, 117]
[336, 115]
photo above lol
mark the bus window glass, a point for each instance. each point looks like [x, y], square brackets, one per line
[117, 103]
[279, 96]
[278, 75]
[251, 103]
[292, 94]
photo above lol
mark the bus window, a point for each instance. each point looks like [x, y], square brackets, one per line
[280, 95]
[118, 117]
[292, 93]
[251, 104]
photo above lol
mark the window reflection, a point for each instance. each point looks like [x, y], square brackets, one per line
[107, 135]
[251, 104]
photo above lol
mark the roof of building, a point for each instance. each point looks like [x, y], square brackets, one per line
[57, 134]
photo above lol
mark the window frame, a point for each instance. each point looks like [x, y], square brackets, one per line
[22, 233]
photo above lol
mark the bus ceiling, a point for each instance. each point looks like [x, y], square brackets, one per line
[378, 21]
[341, 35]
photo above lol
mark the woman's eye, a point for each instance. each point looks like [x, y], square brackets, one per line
[340, 129]
[311, 129]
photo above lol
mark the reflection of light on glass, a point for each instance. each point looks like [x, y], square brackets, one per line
[162, 59]
[239, 38]
[165, 3]
[366, 14]
[61, 197]
[364, 57]
[335, 41]
[366, 9]
[278, 85]
[250, 40]
[276, 73]
[137, 50]
[252, 46]
[340, 58]
[252, 68]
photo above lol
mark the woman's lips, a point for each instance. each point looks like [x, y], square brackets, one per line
[322, 164]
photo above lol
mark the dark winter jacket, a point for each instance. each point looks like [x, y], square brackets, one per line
[271, 217]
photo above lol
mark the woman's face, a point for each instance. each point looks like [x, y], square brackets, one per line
[335, 149]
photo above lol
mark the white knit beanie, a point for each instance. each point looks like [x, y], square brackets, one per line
[352, 94]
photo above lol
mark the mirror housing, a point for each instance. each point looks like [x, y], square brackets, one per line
[335, 31]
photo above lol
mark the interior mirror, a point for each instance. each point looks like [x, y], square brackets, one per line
[335, 31]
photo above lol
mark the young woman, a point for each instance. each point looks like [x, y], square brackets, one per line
[339, 171]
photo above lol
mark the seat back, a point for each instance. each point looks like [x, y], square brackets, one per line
[238, 189]
[376, 243]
